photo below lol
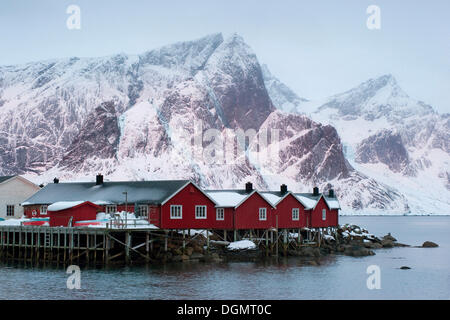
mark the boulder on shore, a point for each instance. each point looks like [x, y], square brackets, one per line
[358, 251]
[389, 237]
[429, 244]
[386, 243]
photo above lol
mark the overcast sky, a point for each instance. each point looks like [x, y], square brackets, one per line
[318, 48]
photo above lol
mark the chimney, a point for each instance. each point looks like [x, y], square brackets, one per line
[331, 193]
[56, 180]
[248, 187]
[283, 189]
[99, 180]
[315, 191]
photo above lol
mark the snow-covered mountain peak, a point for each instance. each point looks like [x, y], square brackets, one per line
[377, 98]
[188, 55]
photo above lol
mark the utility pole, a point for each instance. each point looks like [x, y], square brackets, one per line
[126, 208]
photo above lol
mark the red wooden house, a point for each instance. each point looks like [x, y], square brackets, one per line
[323, 211]
[168, 204]
[61, 213]
[290, 212]
[243, 209]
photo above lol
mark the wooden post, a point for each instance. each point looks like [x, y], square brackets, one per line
[276, 248]
[65, 245]
[225, 235]
[95, 248]
[107, 248]
[87, 247]
[235, 235]
[147, 239]
[127, 247]
[165, 241]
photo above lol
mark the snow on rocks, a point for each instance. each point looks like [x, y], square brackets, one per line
[241, 245]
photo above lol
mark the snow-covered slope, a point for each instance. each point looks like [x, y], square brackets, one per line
[150, 116]
[392, 138]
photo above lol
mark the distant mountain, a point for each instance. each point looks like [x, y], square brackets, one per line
[388, 136]
[137, 116]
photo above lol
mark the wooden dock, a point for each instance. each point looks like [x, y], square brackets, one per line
[102, 246]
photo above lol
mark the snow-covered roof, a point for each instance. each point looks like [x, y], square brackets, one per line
[333, 203]
[308, 199]
[274, 197]
[227, 198]
[148, 192]
[232, 198]
[64, 205]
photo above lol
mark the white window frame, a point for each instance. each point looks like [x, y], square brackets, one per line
[8, 207]
[295, 214]
[143, 207]
[43, 210]
[324, 214]
[197, 216]
[262, 214]
[220, 214]
[111, 208]
[176, 215]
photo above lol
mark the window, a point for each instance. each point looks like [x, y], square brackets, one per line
[111, 209]
[263, 214]
[143, 211]
[220, 214]
[10, 211]
[324, 214]
[295, 214]
[200, 212]
[176, 212]
[44, 210]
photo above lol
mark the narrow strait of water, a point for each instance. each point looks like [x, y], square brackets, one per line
[338, 277]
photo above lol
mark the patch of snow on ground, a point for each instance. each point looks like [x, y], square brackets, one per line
[241, 245]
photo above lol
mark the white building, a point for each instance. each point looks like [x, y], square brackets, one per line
[13, 191]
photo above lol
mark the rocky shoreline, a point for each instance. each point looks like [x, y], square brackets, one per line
[348, 240]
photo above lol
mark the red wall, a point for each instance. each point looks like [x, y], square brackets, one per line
[284, 213]
[28, 211]
[190, 197]
[247, 214]
[154, 215]
[79, 213]
[316, 216]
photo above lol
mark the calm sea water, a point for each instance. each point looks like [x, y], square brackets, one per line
[338, 277]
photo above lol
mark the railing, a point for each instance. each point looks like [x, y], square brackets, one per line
[118, 222]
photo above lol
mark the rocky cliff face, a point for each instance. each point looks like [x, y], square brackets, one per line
[99, 136]
[384, 147]
[144, 117]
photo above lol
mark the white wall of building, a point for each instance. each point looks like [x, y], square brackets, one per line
[14, 192]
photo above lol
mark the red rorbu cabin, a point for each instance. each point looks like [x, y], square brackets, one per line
[243, 209]
[323, 210]
[61, 213]
[290, 212]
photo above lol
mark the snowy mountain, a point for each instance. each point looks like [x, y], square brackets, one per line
[392, 138]
[151, 116]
